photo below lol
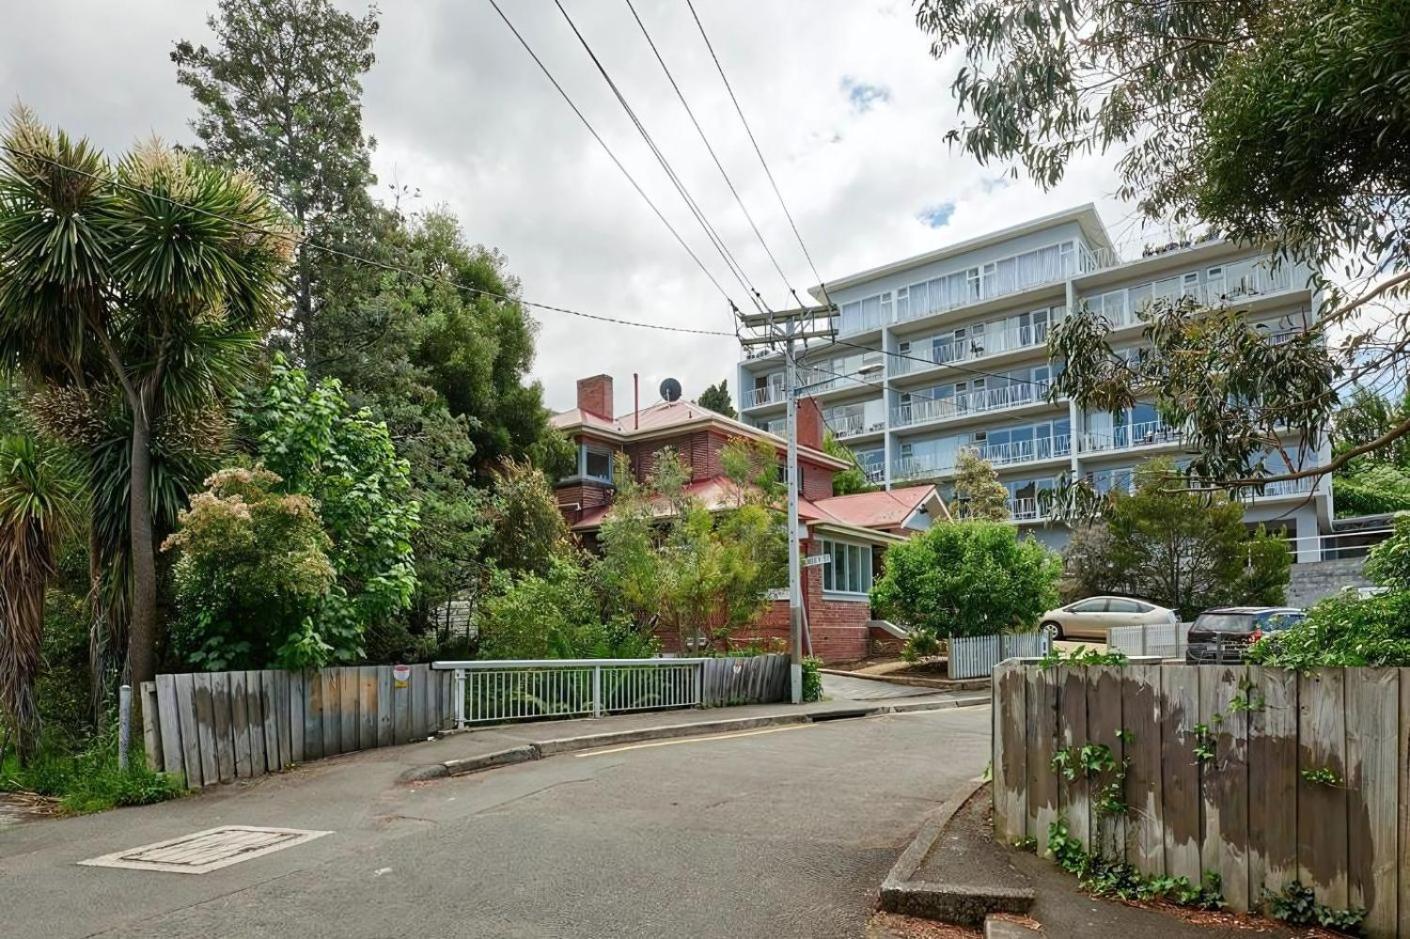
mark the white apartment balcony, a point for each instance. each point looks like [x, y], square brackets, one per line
[1025, 509]
[759, 397]
[995, 342]
[855, 420]
[982, 401]
[1001, 454]
[1239, 282]
[1129, 437]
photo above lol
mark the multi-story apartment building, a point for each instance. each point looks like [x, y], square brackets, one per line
[948, 350]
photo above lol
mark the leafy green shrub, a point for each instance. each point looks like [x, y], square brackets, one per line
[345, 462]
[1373, 489]
[812, 679]
[555, 616]
[967, 579]
[920, 643]
[1105, 877]
[1342, 630]
[1298, 905]
[1389, 562]
[251, 575]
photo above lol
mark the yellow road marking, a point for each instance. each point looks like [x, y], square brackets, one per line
[668, 743]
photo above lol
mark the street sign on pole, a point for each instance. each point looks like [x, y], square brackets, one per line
[817, 560]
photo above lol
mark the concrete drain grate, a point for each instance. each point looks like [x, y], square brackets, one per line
[205, 851]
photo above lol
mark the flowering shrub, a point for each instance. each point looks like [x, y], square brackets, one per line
[251, 575]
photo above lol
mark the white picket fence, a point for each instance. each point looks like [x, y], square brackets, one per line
[1166, 640]
[976, 656]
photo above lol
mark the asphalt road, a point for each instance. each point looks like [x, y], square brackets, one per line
[781, 832]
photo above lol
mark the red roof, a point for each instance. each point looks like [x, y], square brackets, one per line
[884, 509]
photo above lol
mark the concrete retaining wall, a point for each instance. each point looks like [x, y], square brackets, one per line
[1316, 580]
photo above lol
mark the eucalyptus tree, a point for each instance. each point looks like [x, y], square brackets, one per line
[132, 294]
[1277, 123]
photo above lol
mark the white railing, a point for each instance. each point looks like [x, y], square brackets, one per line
[972, 347]
[1000, 454]
[527, 689]
[757, 397]
[1167, 640]
[853, 420]
[1239, 281]
[874, 473]
[1144, 434]
[1342, 545]
[970, 402]
[1025, 508]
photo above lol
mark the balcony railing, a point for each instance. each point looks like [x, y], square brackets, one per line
[1238, 282]
[1145, 434]
[1025, 509]
[974, 347]
[757, 397]
[970, 402]
[1000, 454]
[852, 421]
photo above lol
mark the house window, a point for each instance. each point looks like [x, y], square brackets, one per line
[850, 570]
[596, 463]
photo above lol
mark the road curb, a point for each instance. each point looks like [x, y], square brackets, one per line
[934, 684]
[665, 732]
[958, 903]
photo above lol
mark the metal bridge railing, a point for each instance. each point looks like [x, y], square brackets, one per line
[528, 689]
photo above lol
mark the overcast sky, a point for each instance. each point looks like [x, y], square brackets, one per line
[848, 105]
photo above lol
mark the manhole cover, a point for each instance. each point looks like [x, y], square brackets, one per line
[206, 851]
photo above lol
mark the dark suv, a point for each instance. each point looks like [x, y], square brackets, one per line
[1224, 634]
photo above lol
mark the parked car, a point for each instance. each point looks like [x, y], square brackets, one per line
[1092, 617]
[1224, 634]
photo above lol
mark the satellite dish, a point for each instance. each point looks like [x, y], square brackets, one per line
[671, 390]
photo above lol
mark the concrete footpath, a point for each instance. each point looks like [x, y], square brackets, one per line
[473, 750]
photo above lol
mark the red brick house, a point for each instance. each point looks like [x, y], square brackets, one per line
[854, 529]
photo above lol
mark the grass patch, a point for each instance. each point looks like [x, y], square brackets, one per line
[90, 781]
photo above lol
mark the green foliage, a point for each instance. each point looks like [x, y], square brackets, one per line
[1177, 548]
[558, 614]
[1321, 776]
[667, 561]
[527, 528]
[1389, 562]
[854, 478]
[1204, 743]
[1081, 656]
[346, 464]
[978, 492]
[1104, 877]
[252, 573]
[717, 399]
[967, 579]
[90, 781]
[1298, 905]
[1269, 122]
[1343, 630]
[921, 643]
[1372, 489]
[812, 679]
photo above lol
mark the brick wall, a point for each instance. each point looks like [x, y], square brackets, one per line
[839, 628]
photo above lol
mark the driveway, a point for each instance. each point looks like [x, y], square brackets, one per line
[782, 831]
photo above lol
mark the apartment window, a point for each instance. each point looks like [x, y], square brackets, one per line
[595, 463]
[850, 570]
[903, 307]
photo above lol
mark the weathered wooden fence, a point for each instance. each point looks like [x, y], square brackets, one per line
[1262, 775]
[759, 679]
[976, 656]
[216, 727]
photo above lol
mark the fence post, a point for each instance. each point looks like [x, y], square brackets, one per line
[124, 723]
[696, 680]
[458, 683]
[597, 691]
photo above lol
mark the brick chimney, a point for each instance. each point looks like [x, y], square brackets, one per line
[810, 423]
[595, 395]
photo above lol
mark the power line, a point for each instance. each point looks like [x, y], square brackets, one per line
[625, 172]
[716, 241]
[759, 152]
[349, 256]
[706, 141]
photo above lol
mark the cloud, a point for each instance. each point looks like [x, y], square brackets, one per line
[864, 96]
[937, 216]
[461, 113]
